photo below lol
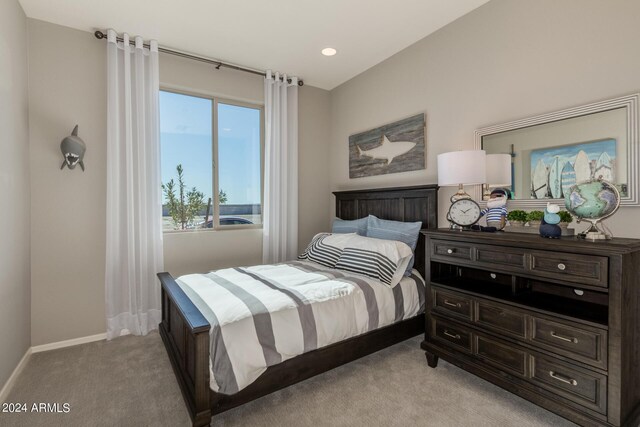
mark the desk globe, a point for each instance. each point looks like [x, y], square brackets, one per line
[593, 201]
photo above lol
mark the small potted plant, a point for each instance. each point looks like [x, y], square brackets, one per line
[517, 218]
[565, 219]
[534, 218]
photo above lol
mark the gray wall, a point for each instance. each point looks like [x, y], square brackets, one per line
[67, 86]
[503, 61]
[313, 180]
[15, 281]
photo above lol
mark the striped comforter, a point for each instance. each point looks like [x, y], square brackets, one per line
[264, 315]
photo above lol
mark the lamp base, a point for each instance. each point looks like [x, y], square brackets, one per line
[460, 194]
[486, 192]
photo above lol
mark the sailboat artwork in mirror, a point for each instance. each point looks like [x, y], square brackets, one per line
[554, 170]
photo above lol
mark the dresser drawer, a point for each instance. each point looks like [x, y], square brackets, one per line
[497, 257]
[453, 304]
[451, 251]
[586, 388]
[496, 317]
[502, 356]
[455, 335]
[586, 345]
[583, 269]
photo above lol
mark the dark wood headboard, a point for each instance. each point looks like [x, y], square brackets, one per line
[407, 204]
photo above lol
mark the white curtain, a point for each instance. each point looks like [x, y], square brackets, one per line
[134, 203]
[280, 227]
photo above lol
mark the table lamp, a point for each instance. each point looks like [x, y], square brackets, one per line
[498, 173]
[458, 168]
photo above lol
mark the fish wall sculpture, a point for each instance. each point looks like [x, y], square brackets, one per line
[73, 149]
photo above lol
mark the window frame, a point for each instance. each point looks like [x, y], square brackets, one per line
[215, 100]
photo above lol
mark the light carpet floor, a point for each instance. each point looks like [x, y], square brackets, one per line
[129, 382]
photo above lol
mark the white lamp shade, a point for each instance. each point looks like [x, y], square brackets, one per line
[498, 170]
[462, 167]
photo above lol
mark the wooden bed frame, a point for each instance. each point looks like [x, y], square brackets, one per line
[185, 331]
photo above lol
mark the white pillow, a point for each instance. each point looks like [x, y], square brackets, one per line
[384, 260]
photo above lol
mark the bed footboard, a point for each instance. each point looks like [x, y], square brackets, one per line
[185, 333]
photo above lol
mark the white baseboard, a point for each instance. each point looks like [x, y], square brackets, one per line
[68, 343]
[14, 375]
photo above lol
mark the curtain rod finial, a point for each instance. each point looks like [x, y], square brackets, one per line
[99, 35]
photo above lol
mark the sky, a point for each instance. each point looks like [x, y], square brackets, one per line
[186, 138]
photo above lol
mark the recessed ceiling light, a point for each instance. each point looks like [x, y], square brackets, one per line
[329, 51]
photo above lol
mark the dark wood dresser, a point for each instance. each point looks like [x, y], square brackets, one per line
[556, 321]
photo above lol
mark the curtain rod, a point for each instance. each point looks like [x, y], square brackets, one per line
[101, 35]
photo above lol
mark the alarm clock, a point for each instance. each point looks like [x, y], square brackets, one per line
[464, 213]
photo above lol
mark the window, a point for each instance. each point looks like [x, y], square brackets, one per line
[212, 158]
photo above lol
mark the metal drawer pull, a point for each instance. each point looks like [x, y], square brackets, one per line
[561, 267]
[452, 304]
[447, 333]
[450, 251]
[560, 337]
[493, 275]
[563, 378]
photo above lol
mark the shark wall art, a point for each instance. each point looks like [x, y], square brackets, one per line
[392, 148]
[73, 149]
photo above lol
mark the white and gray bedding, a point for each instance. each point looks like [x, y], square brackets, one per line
[266, 314]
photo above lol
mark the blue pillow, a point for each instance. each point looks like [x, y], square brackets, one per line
[407, 232]
[341, 226]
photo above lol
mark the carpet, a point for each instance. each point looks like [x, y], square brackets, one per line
[129, 382]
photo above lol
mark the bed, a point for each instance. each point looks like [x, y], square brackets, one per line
[185, 329]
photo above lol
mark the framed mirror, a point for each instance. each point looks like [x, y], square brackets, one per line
[553, 151]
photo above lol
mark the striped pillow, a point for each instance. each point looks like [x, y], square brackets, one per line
[321, 250]
[384, 260]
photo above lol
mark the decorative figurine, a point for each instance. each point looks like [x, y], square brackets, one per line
[496, 210]
[549, 227]
[73, 149]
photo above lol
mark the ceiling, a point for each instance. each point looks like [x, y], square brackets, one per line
[282, 35]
